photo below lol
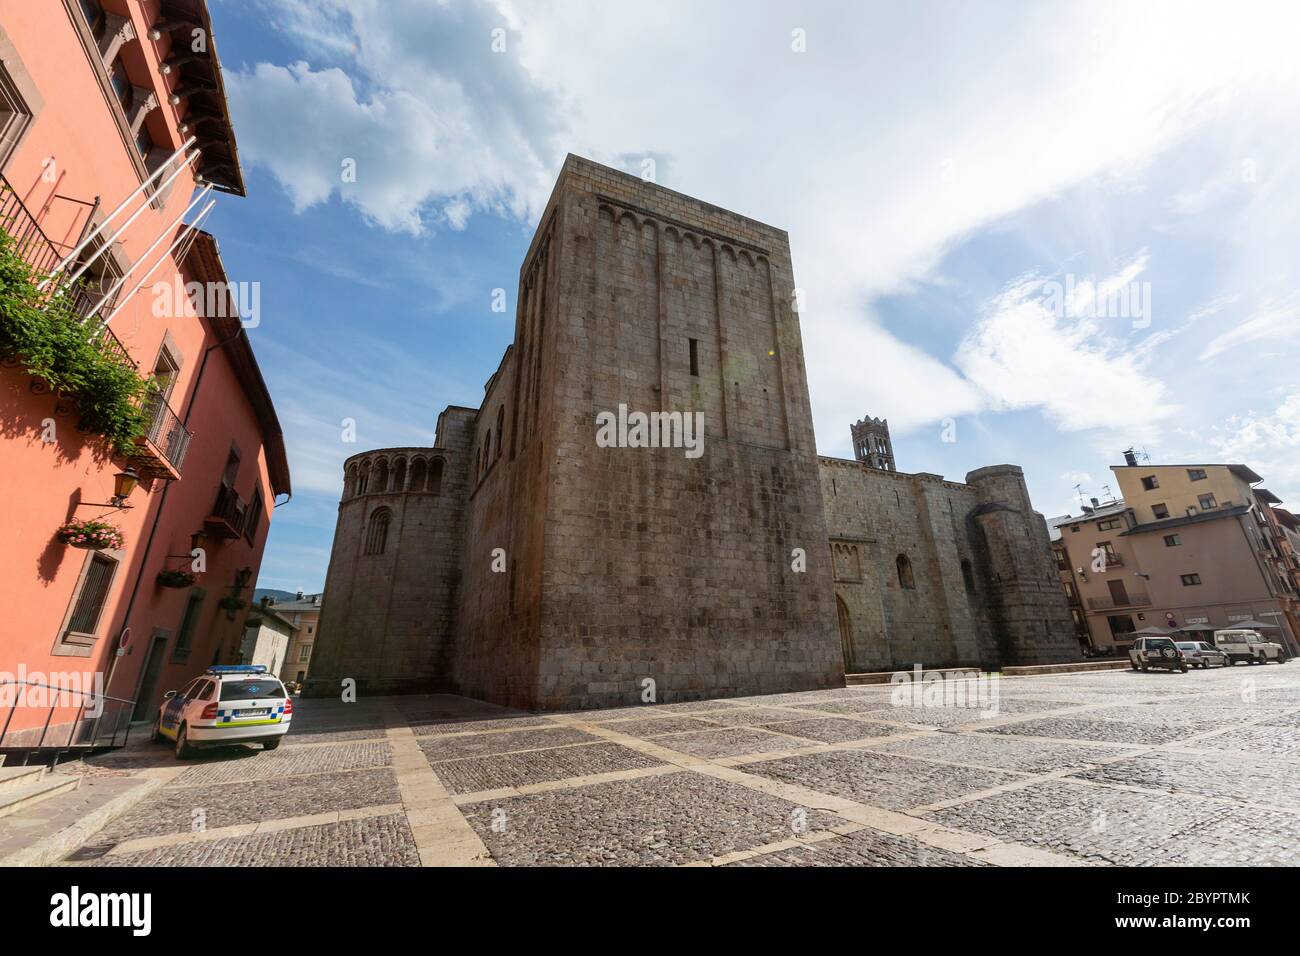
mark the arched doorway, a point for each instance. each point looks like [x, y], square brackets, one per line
[846, 634]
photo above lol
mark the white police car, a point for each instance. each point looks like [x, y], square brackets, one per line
[228, 704]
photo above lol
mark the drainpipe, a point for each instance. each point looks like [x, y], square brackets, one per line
[162, 504]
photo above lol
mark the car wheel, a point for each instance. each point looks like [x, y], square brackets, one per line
[1183, 668]
[272, 743]
[183, 749]
[1133, 664]
[1144, 668]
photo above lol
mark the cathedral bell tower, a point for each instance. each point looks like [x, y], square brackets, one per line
[871, 444]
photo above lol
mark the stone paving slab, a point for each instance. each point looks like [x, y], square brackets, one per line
[1025, 755]
[1124, 828]
[374, 841]
[865, 847]
[882, 780]
[1271, 781]
[257, 764]
[1097, 729]
[658, 726]
[171, 810]
[730, 742]
[833, 729]
[473, 774]
[297, 736]
[483, 745]
[479, 726]
[668, 819]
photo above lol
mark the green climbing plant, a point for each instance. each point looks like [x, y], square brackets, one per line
[70, 354]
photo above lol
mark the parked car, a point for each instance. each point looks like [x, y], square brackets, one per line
[1149, 652]
[1247, 645]
[1202, 654]
[227, 704]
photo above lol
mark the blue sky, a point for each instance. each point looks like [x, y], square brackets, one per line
[944, 171]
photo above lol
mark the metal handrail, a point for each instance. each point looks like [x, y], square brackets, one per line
[91, 742]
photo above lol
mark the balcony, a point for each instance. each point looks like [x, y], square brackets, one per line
[1136, 599]
[160, 452]
[228, 514]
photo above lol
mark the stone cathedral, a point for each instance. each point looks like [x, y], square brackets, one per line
[522, 561]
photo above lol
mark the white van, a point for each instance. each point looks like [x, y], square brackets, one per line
[1247, 645]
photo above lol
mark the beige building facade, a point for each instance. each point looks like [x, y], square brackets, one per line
[1189, 547]
[303, 612]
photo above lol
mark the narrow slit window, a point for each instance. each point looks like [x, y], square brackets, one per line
[695, 357]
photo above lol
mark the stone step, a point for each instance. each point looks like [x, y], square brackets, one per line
[21, 798]
[46, 833]
[12, 778]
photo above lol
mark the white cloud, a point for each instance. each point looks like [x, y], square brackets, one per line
[1270, 444]
[1023, 353]
[879, 148]
[1276, 320]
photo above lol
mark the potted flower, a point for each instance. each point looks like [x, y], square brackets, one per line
[231, 604]
[91, 534]
[176, 578]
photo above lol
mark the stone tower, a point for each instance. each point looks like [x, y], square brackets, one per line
[1031, 619]
[708, 575]
[871, 444]
[388, 614]
[554, 570]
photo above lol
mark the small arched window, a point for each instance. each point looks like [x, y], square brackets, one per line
[501, 429]
[381, 476]
[968, 575]
[435, 477]
[905, 579]
[399, 475]
[487, 450]
[363, 483]
[418, 474]
[377, 531]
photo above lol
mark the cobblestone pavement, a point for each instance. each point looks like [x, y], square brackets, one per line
[1095, 768]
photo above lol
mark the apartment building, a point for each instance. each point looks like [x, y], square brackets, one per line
[115, 140]
[1188, 547]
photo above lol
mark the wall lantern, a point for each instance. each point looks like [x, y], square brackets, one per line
[124, 483]
[198, 541]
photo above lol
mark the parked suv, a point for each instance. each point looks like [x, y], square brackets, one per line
[1149, 652]
[1246, 645]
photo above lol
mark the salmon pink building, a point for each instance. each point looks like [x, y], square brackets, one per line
[114, 141]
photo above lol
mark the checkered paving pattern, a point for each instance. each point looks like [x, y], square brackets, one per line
[1094, 768]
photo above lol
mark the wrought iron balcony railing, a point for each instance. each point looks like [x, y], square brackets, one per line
[228, 513]
[42, 255]
[161, 452]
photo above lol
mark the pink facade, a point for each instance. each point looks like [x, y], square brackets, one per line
[86, 115]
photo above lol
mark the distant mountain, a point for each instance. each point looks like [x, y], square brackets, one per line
[274, 594]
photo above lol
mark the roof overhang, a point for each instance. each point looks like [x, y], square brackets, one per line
[206, 110]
